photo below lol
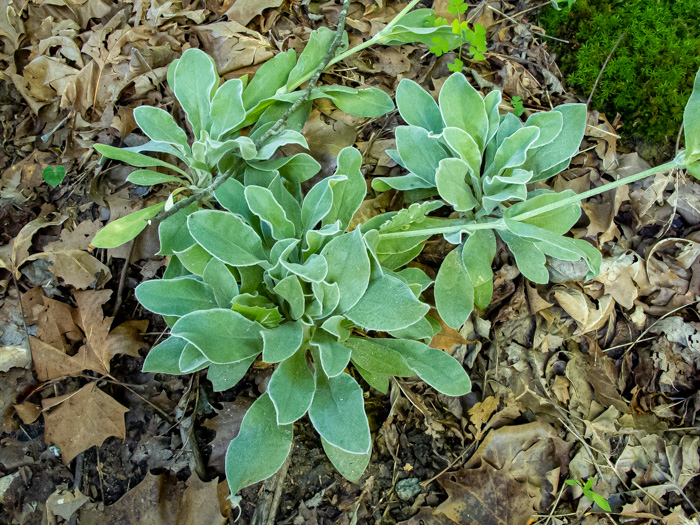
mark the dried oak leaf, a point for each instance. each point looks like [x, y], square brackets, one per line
[489, 496]
[243, 11]
[82, 419]
[226, 425]
[159, 500]
[100, 346]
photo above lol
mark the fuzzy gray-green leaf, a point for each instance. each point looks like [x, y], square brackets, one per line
[420, 152]
[260, 448]
[223, 377]
[348, 266]
[160, 126]
[451, 183]
[164, 358]
[417, 107]
[350, 466]
[388, 304]
[175, 296]
[291, 388]
[463, 107]
[262, 203]
[338, 413]
[195, 77]
[454, 291]
[240, 246]
[223, 336]
[282, 341]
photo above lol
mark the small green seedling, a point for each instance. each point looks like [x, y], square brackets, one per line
[54, 175]
[518, 108]
[588, 492]
[462, 35]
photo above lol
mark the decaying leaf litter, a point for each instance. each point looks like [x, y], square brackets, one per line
[571, 380]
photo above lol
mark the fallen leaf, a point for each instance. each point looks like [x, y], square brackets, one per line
[64, 503]
[23, 241]
[101, 344]
[583, 311]
[28, 412]
[624, 278]
[243, 11]
[486, 495]
[200, 503]
[226, 425]
[233, 46]
[82, 419]
[77, 268]
[162, 499]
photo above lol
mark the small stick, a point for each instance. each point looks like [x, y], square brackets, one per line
[281, 476]
[678, 139]
[595, 85]
[122, 279]
[77, 482]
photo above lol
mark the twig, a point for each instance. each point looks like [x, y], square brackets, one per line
[678, 139]
[281, 476]
[77, 482]
[122, 279]
[277, 127]
[595, 85]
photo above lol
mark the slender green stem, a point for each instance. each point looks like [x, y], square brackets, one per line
[499, 224]
[376, 39]
[675, 163]
[463, 225]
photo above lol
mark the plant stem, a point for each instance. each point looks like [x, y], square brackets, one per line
[376, 39]
[468, 226]
[675, 163]
[499, 224]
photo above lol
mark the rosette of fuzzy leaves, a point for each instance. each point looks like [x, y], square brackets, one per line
[481, 164]
[216, 113]
[279, 278]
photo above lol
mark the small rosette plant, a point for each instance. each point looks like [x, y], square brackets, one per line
[481, 164]
[279, 279]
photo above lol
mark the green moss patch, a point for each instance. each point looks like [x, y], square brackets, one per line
[650, 75]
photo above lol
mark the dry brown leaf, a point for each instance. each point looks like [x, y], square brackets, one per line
[624, 278]
[233, 46]
[480, 413]
[28, 412]
[583, 311]
[77, 268]
[101, 344]
[82, 419]
[603, 376]
[226, 425]
[487, 495]
[327, 136]
[598, 127]
[428, 515]
[76, 239]
[243, 11]
[64, 503]
[163, 500]
[448, 338]
[56, 325]
[23, 242]
[200, 503]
